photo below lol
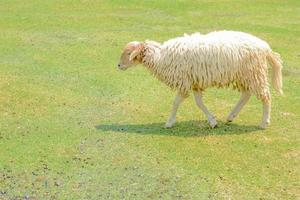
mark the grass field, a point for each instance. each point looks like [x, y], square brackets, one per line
[72, 126]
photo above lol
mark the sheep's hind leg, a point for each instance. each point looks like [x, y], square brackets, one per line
[211, 119]
[266, 113]
[245, 96]
[172, 119]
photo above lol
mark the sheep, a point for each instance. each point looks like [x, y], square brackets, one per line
[218, 59]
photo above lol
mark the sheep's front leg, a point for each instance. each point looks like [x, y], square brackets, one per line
[211, 119]
[172, 119]
[266, 114]
[245, 96]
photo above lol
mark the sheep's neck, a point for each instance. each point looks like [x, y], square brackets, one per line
[151, 56]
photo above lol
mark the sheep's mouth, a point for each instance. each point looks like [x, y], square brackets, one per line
[120, 67]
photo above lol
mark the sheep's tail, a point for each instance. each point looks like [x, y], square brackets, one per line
[276, 63]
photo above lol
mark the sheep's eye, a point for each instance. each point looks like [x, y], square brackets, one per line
[129, 53]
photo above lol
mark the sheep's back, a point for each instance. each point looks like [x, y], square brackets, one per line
[215, 59]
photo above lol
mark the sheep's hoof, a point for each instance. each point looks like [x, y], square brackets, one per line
[230, 118]
[170, 123]
[263, 125]
[213, 123]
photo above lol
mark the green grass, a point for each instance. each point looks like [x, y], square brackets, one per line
[74, 127]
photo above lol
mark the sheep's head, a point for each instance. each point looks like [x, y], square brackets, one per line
[131, 55]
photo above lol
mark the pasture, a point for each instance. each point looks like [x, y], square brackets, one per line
[73, 126]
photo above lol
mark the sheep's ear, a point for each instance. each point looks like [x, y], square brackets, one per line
[138, 47]
[134, 54]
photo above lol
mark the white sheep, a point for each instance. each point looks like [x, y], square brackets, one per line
[221, 59]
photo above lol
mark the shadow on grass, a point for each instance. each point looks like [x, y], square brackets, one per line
[184, 129]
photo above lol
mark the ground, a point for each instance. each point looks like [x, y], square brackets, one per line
[72, 126]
